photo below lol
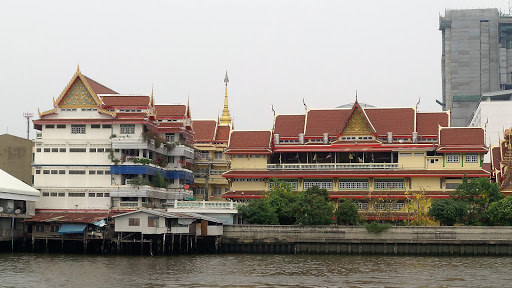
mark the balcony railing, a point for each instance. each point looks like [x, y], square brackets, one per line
[333, 166]
[202, 205]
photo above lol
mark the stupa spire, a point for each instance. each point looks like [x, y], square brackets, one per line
[225, 118]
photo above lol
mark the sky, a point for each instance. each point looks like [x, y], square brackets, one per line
[277, 53]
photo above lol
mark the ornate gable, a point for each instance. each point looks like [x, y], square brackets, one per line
[78, 94]
[357, 123]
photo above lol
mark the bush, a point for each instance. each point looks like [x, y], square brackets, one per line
[159, 181]
[447, 211]
[375, 227]
[347, 213]
[259, 211]
[500, 212]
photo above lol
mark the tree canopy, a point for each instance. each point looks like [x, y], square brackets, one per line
[447, 211]
[477, 194]
[500, 212]
[347, 213]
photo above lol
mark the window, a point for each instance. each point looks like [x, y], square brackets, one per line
[319, 183]
[54, 172]
[62, 194]
[77, 172]
[217, 191]
[76, 150]
[38, 171]
[46, 194]
[133, 221]
[452, 158]
[55, 149]
[352, 184]
[92, 172]
[452, 185]
[127, 128]
[77, 128]
[362, 205]
[471, 158]
[294, 184]
[62, 172]
[46, 150]
[99, 172]
[61, 126]
[99, 194]
[92, 150]
[200, 191]
[258, 156]
[46, 172]
[95, 126]
[106, 194]
[218, 155]
[107, 172]
[92, 194]
[107, 126]
[71, 194]
[49, 126]
[169, 137]
[395, 206]
[389, 184]
[38, 149]
[152, 221]
[100, 150]
[62, 150]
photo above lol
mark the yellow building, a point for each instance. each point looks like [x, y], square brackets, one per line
[210, 142]
[379, 157]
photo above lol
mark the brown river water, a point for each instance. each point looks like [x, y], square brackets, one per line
[243, 270]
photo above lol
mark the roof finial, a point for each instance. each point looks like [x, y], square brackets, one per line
[225, 118]
[356, 95]
[78, 68]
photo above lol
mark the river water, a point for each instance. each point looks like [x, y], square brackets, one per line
[242, 270]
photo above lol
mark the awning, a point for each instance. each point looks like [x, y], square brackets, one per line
[72, 228]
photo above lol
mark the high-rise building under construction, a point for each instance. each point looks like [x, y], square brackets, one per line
[476, 59]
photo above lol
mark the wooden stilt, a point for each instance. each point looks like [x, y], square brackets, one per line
[119, 242]
[163, 245]
[46, 245]
[141, 244]
[151, 247]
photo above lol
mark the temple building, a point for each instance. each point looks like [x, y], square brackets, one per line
[98, 150]
[501, 163]
[379, 157]
[210, 141]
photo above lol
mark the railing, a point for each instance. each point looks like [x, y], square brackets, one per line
[333, 166]
[203, 205]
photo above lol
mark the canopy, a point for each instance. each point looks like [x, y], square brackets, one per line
[72, 228]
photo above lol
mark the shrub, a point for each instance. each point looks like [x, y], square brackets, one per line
[375, 227]
[347, 213]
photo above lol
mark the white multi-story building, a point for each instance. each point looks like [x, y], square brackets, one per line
[100, 150]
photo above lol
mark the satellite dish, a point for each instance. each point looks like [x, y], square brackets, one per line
[17, 211]
[1, 209]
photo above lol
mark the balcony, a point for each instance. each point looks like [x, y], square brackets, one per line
[182, 150]
[334, 166]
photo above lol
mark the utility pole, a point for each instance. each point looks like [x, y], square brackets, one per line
[28, 115]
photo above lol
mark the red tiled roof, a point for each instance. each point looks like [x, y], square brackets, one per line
[69, 217]
[126, 101]
[427, 123]
[204, 130]
[130, 115]
[353, 173]
[462, 136]
[487, 167]
[326, 121]
[222, 133]
[399, 121]
[249, 140]
[98, 88]
[289, 125]
[495, 157]
[177, 110]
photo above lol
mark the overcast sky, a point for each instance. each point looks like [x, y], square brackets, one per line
[276, 52]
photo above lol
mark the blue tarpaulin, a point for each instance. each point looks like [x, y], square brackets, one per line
[72, 228]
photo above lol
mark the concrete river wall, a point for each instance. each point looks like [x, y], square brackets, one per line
[462, 240]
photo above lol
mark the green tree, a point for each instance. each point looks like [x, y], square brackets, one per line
[500, 212]
[313, 207]
[159, 181]
[478, 194]
[282, 200]
[347, 213]
[259, 211]
[447, 211]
